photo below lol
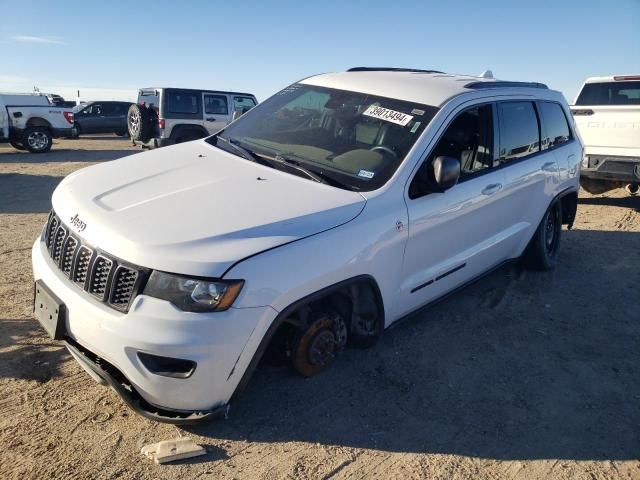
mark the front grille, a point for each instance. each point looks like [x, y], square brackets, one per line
[111, 281]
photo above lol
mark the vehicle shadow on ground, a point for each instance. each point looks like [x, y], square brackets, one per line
[65, 155]
[20, 358]
[520, 365]
[624, 202]
[23, 193]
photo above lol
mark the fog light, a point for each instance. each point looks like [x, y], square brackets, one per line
[166, 366]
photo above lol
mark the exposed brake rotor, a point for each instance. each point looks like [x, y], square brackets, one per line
[315, 348]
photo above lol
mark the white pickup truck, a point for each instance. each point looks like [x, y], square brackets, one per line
[607, 115]
[31, 122]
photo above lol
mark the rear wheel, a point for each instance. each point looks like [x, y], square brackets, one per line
[542, 252]
[37, 139]
[17, 145]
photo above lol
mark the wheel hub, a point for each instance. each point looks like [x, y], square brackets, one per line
[37, 140]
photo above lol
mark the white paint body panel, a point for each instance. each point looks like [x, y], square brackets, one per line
[197, 210]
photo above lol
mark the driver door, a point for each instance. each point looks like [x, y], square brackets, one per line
[456, 235]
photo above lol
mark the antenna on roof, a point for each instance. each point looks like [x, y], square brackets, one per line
[486, 74]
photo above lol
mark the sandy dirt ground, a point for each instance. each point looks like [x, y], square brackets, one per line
[520, 376]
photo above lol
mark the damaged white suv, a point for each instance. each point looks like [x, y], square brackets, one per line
[333, 209]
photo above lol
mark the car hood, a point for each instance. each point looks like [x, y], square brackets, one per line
[196, 209]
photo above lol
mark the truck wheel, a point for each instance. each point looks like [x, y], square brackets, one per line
[37, 139]
[75, 131]
[314, 348]
[542, 252]
[17, 145]
[139, 122]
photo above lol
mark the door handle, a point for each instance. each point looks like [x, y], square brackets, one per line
[491, 189]
[549, 167]
[211, 119]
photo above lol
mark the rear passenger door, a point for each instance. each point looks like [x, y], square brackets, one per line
[531, 170]
[216, 111]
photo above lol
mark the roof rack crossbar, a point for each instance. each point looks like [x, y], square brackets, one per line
[391, 69]
[502, 84]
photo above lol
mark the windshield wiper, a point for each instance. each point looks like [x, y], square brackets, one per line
[248, 154]
[296, 166]
[319, 176]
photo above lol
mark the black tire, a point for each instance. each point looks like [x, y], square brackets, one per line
[542, 252]
[140, 122]
[37, 139]
[17, 145]
[76, 130]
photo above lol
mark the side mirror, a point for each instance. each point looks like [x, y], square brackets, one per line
[446, 172]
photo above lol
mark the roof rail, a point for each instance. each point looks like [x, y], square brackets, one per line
[503, 84]
[391, 69]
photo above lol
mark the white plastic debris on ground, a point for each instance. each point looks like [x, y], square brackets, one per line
[172, 450]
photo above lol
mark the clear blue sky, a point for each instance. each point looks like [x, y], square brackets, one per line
[116, 47]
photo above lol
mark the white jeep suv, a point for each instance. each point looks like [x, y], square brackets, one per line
[322, 216]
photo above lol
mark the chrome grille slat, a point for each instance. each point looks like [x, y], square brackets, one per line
[100, 276]
[97, 273]
[68, 251]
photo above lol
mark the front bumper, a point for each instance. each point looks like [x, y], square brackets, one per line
[107, 343]
[611, 167]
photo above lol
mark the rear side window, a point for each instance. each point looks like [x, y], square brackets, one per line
[610, 93]
[182, 102]
[519, 131]
[555, 127]
[216, 104]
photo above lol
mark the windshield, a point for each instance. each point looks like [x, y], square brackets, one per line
[358, 140]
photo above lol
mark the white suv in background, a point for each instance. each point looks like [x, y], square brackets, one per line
[325, 214]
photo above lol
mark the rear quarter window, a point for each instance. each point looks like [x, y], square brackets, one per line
[182, 102]
[555, 129]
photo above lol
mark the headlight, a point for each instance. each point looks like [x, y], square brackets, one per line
[193, 294]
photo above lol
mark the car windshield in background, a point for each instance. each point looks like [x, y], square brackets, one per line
[358, 140]
[610, 93]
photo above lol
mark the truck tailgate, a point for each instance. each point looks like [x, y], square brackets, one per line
[611, 126]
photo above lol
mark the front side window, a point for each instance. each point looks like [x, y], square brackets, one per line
[243, 103]
[182, 102]
[357, 139]
[216, 104]
[519, 131]
[556, 129]
[468, 139]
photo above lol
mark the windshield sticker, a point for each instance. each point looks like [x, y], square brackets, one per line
[417, 111]
[365, 174]
[392, 116]
[415, 127]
